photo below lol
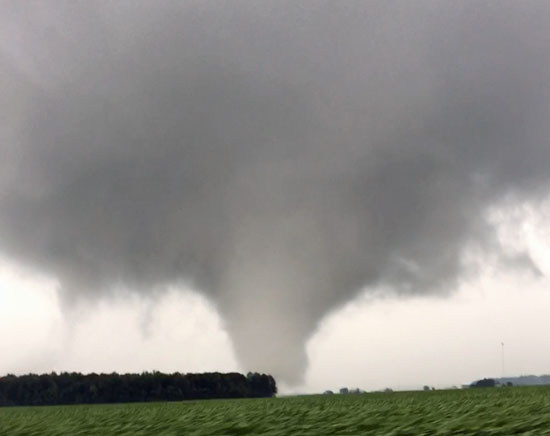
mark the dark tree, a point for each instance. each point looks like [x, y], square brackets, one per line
[76, 388]
[484, 383]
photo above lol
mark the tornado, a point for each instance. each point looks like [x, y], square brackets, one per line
[280, 157]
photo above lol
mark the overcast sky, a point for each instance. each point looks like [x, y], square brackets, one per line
[337, 193]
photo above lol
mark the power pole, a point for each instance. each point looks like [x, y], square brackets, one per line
[502, 358]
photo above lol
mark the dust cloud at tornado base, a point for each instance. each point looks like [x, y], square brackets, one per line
[278, 157]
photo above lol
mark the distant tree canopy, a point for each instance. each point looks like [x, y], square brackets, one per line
[76, 388]
[484, 383]
[526, 380]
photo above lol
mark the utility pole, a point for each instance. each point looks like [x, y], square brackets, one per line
[502, 357]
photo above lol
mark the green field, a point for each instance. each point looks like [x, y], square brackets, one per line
[491, 411]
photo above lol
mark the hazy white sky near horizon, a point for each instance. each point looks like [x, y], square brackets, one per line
[369, 343]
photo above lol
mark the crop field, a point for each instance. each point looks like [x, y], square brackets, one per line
[491, 411]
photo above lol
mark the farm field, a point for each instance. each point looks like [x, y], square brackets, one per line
[491, 411]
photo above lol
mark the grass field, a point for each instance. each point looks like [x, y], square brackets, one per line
[506, 411]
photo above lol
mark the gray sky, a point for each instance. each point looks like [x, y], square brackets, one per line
[282, 160]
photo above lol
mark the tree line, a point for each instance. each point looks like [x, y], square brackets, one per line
[77, 388]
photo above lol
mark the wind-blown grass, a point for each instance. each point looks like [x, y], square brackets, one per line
[496, 411]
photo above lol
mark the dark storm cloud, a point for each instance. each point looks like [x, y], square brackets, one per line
[279, 156]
